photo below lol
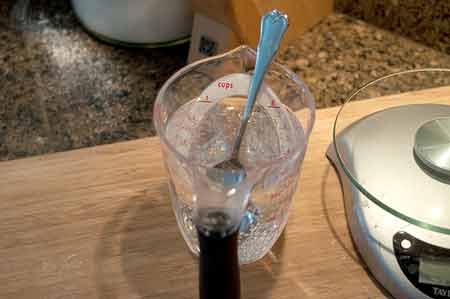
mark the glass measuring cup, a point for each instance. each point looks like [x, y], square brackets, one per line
[196, 115]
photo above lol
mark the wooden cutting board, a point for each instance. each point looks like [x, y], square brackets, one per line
[98, 223]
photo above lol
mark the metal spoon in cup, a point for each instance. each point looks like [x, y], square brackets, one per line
[273, 26]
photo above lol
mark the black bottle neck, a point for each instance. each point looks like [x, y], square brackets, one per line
[219, 265]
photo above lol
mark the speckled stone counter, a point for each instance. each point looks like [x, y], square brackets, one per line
[426, 21]
[60, 89]
[342, 53]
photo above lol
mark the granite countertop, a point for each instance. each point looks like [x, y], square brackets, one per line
[422, 20]
[60, 89]
[342, 53]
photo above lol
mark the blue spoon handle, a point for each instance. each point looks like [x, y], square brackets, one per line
[273, 26]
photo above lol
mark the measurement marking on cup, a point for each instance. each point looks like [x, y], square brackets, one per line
[225, 85]
[284, 172]
[286, 187]
[204, 100]
[273, 104]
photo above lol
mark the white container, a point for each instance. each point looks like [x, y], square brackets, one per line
[136, 22]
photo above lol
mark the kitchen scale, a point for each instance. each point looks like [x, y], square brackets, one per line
[394, 165]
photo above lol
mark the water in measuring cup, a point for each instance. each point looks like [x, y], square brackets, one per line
[204, 132]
